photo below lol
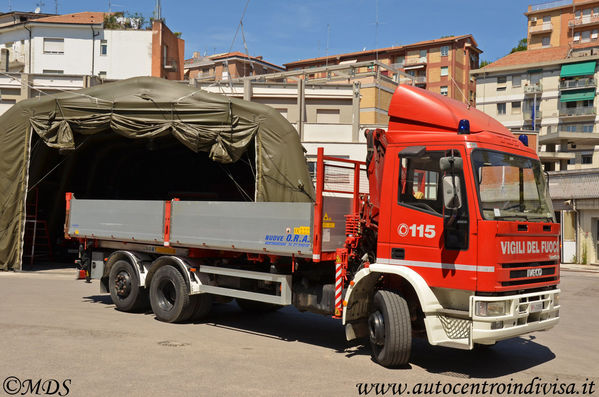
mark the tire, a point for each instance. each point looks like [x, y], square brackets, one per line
[169, 296]
[390, 329]
[257, 307]
[202, 304]
[124, 288]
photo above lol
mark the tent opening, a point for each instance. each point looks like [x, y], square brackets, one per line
[108, 166]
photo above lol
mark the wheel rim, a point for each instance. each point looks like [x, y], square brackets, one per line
[376, 325]
[122, 284]
[167, 295]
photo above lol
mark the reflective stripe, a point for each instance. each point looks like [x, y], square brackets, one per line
[436, 265]
[316, 257]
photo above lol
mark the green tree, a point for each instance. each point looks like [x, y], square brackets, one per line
[484, 63]
[522, 46]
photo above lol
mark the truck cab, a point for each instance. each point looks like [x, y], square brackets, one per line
[466, 232]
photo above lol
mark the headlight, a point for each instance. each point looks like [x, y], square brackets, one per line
[490, 309]
[556, 300]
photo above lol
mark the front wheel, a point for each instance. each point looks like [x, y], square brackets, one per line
[390, 329]
[169, 296]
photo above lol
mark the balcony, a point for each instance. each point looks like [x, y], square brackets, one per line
[584, 21]
[545, 27]
[577, 84]
[415, 61]
[577, 112]
[533, 88]
[578, 138]
[556, 156]
[527, 115]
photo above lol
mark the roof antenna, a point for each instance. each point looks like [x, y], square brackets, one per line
[56, 7]
[158, 11]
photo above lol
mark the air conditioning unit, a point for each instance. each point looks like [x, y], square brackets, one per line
[533, 19]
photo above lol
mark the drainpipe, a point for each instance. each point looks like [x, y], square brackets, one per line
[94, 34]
[29, 55]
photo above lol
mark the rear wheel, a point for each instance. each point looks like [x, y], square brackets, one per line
[169, 296]
[257, 307]
[125, 291]
[390, 329]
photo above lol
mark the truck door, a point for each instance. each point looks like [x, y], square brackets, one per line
[423, 234]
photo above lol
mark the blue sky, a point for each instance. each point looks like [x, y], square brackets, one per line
[287, 30]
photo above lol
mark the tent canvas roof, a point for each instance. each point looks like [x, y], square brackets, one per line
[144, 108]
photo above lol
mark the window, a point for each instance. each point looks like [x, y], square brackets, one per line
[400, 60]
[586, 36]
[500, 89]
[52, 71]
[103, 47]
[444, 90]
[586, 159]
[576, 36]
[596, 11]
[444, 70]
[587, 128]
[53, 46]
[547, 19]
[577, 14]
[422, 53]
[586, 13]
[516, 107]
[501, 79]
[546, 41]
[444, 50]
[420, 184]
[327, 116]
[516, 80]
[501, 108]
[594, 34]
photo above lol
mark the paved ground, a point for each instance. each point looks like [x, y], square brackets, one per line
[54, 327]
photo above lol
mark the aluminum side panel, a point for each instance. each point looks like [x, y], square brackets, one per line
[124, 220]
[267, 227]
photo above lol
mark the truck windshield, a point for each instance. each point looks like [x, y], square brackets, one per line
[511, 187]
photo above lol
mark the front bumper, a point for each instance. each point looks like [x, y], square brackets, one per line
[526, 313]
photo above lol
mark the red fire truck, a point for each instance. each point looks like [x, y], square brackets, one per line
[452, 238]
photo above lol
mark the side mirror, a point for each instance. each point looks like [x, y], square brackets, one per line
[446, 162]
[452, 195]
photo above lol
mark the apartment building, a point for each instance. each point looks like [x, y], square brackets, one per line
[573, 23]
[82, 44]
[551, 91]
[441, 65]
[226, 66]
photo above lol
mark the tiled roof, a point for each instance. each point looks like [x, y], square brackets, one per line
[241, 55]
[579, 184]
[396, 48]
[84, 18]
[529, 57]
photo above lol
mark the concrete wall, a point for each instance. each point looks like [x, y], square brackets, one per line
[129, 54]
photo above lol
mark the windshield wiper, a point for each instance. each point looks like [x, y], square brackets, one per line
[511, 216]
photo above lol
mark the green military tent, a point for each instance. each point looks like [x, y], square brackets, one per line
[143, 110]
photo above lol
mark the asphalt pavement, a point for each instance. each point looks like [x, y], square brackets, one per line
[65, 334]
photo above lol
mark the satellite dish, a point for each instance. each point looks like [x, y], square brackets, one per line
[37, 10]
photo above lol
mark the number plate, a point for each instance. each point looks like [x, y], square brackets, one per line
[536, 307]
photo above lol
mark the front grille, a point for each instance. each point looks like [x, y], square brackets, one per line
[528, 281]
[529, 273]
